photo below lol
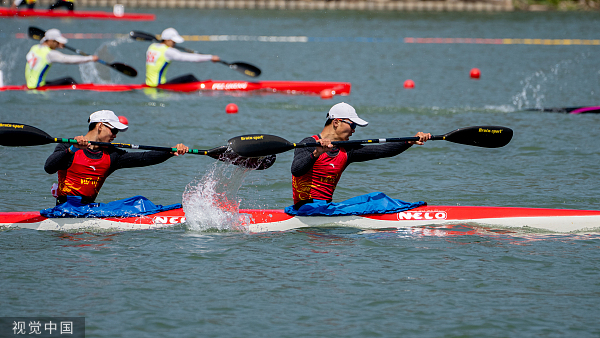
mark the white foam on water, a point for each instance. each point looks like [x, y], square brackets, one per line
[211, 202]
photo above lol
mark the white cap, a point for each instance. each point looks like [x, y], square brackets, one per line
[171, 34]
[343, 110]
[54, 34]
[108, 116]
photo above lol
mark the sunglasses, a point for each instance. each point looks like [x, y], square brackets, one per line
[352, 124]
[114, 131]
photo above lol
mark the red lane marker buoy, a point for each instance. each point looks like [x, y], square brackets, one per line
[123, 120]
[475, 73]
[409, 84]
[231, 108]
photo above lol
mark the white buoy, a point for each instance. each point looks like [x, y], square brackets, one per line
[118, 10]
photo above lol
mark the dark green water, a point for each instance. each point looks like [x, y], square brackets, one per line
[324, 282]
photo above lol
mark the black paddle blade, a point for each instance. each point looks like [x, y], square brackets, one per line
[245, 68]
[123, 68]
[257, 145]
[225, 154]
[18, 135]
[480, 136]
[141, 36]
[36, 33]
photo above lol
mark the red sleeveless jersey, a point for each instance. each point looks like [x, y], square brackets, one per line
[320, 182]
[84, 177]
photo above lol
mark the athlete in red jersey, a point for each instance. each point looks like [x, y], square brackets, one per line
[83, 168]
[316, 171]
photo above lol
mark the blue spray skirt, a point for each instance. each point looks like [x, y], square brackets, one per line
[128, 207]
[373, 203]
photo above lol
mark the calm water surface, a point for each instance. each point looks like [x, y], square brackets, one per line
[424, 282]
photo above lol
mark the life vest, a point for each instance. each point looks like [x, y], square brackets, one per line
[84, 177]
[156, 64]
[37, 66]
[320, 181]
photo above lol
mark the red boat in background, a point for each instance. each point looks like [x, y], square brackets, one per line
[77, 14]
[280, 87]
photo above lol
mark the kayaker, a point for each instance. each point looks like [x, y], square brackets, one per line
[317, 170]
[41, 57]
[159, 56]
[30, 4]
[83, 168]
[69, 4]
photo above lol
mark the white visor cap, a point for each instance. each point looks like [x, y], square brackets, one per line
[54, 34]
[108, 116]
[343, 110]
[171, 34]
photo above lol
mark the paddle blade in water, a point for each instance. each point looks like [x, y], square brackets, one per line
[18, 135]
[257, 145]
[480, 136]
[125, 69]
[245, 68]
[224, 154]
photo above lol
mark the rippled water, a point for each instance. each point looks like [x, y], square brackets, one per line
[431, 281]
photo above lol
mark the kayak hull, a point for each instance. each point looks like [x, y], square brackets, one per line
[76, 14]
[280, 87]
[554, 220]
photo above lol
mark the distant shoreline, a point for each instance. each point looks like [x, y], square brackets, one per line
[372, 5]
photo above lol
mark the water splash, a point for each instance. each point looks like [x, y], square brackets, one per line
[94, 72]
[548, 83]
[211, 202]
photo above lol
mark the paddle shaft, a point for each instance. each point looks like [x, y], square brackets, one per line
[480, 136]
[137, 146]
[374, 140]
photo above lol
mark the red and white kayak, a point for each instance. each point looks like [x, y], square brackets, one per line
[76, 14]
[554, 220]
[281, 87]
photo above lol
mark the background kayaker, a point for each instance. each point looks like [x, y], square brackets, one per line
[83, 168]
[317, 170]
[69, 4]
[41, 57]
[159, 56]
[30, 4]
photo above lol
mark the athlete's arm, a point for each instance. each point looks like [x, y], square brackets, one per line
[372, 152]
[172, 54]
[303, 158]
[55, 56]
[120, 159]
[61, 159]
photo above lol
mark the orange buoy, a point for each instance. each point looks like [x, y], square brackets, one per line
[123, 120]
[326, 94]
[231, 108]
[409, 84]
[475, 73]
